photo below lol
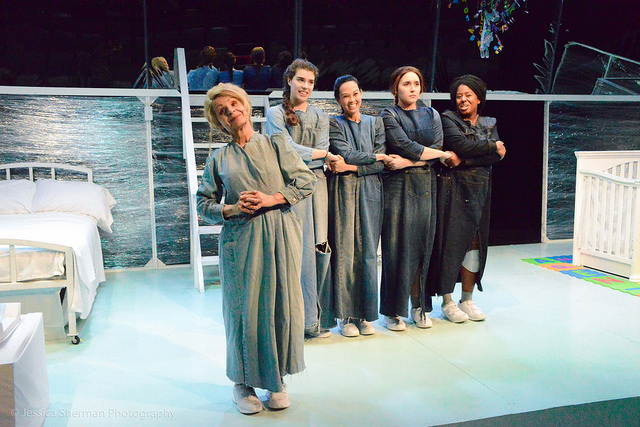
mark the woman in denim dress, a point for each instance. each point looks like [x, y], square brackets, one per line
[464, 198]
[414, 139]
[355, 209]
[260, 178]
[307, 130]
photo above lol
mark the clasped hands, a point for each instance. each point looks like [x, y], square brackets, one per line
[337, 164]
[454, 160]
[251, 201]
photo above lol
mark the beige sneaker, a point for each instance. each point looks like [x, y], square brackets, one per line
[453, 313]
[394, 323]
[246, 399]
[420, 318]
[278, 399]
[472, 310]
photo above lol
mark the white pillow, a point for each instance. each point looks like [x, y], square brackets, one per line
[85, 198]
[16, 196]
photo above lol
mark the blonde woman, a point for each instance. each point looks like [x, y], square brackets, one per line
[260, 248]
[161, 75]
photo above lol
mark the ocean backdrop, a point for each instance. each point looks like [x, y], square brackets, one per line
[108, 134]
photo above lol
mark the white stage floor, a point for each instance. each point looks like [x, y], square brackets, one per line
[153, 355]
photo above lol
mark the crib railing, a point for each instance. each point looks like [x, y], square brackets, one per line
[607, 212]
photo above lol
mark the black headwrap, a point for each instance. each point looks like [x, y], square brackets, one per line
[472, 82]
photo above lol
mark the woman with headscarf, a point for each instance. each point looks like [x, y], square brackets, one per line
[464, 198]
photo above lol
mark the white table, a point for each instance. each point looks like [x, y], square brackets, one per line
[24, 384]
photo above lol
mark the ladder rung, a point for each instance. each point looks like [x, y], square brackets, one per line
[209, 229]
[210, 260]
[207, 145]
[254, 119]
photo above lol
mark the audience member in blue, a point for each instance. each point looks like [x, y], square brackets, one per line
[257, 75]
[206, 74]
[228, 74]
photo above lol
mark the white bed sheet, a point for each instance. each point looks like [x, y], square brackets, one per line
[77, 231]
[32, 264]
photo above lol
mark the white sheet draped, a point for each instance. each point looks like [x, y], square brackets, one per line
[77, 231]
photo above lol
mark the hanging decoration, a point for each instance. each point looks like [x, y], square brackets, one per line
[489, 18]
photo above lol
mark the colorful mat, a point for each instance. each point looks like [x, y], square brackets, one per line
[563, 265]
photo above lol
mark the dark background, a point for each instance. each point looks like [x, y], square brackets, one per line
[85, 43]
[101, 43]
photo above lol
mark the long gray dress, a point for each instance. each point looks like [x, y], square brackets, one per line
[312, 132]
[355, 211]
[260, 258]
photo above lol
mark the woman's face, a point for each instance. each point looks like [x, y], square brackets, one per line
[467, 102]
[301, 86]
[350, 98]
[231, 113]
[408, 90]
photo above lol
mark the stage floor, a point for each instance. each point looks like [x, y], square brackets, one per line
[153, 355]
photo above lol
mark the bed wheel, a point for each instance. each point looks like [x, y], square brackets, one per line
[75, 340]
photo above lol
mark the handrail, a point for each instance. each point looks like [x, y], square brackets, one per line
[84, 91]
[52, 166]
[189, 155]
[610, 177]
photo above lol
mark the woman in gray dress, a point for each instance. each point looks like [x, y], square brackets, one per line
[414, 139]
[260, 244]
[355, 209]
[307, 130]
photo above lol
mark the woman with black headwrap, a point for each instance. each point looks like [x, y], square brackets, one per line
[464, 198]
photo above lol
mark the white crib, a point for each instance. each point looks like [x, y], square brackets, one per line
[607, 213]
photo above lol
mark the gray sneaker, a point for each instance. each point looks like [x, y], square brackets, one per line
[348, 328]
[365, 328]
[317, 333]
[394, 323]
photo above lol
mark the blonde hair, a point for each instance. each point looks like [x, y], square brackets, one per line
[224, 89]
[160, 63]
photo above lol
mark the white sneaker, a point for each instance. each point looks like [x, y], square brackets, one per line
[472, 310]
[453, 313]
[246, 399]
[420, 318]
[394, 323]
[348, 329]
[278, 399]
[365, 328]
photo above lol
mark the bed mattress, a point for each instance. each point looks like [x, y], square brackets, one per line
[77, 231]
